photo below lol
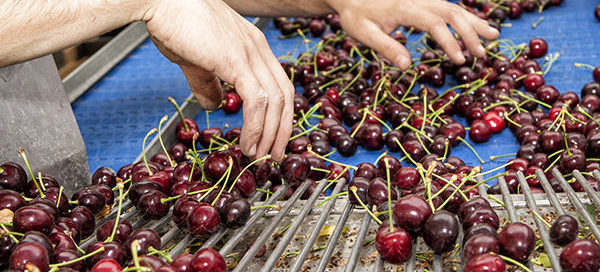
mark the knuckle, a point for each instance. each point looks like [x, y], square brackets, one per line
[278, 98]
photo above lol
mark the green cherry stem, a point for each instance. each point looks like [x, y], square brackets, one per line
[152, 131]
[265, 157]
[472, 149]
[55, 266]
[180, 113]
[389, 193]
[162, 144]
[116, 224]
[33, 178]
[353, 189]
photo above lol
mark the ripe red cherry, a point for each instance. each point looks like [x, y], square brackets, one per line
[29, 254]
[32, 218]
[187, 136]
[564, 230]
[377, 192]
[517, 241]
[13, 177]
[106, 265]
[394, 247]
[494, 121]
[440, 231]
[533, 81]
[124, 229]
[480, 131]
[146, 237]
[547, 94]
[410, 212]
[203, 220]
[208, 260]
[11, 200]
[537, 47]
[232, 102]
[104, 175]
[481, 244]
[406, 178]
[486, 263]
[581, 255]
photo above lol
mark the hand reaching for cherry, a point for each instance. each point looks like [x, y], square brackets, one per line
[371, 23]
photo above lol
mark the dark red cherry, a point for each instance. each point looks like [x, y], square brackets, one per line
[107, 192]
[235, 213]
[581, 255]
[298, 145]
[29, 257]
[67, 225]
[47, 182]
[517, 241]
[547, 94]
[377, 192]
[295, 168]
[104, 175]
[486, 263]
[575, 160]
[532, 82]
[550, 141]
[68, 255]
[564, 230]
[183, 262]
[480, 131]
[483, 229]
[146, 237]
[440, 231]
[11, 200]
[91, 199]
[372, 137]
[494, 121]
[394, 247]
[481, 216]
[106, 265]
[84, 218]
[362, 186]
[480, 244]
[452, 131]
[203, 220]
[232, 102]
[38, 238]
[151, 206]
[208, 260]
[366, 170]
[217, 163]
[186, 136]
[207, 135]
[406, 178]
[32, 218]
[177, 152]
[124, 229]
[13, 177]
[112, 250]
[393, 163]
[537, 47]
[410, 212]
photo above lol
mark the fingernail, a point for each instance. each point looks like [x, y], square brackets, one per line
[403, 62]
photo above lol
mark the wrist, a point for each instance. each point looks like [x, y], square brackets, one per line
[138, 10]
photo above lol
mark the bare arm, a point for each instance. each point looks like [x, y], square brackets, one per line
[280, 7]
[32, 29]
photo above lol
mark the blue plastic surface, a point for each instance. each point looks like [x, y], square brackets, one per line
[116, 114]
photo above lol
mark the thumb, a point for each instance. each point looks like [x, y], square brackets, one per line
[374, 37]
[205, 86]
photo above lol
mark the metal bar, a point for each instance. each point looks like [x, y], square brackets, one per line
[236, 237]
[541, 226]
[550, 192]
[379, 264]
[364, 228]
[412, 262]
[92, 70]
[437, 263]
[182, 245]
[291, 231]
[578, 205]
[269, 229]
[317, 229]
[587, 188]
[223, 231]
[481, 188]
[337, 232]
[163, 220]
[510, 208]
[597, 175]
[169, 235]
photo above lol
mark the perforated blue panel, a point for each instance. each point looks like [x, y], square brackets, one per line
[116, 114]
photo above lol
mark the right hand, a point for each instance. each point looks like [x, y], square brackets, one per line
[208, 39]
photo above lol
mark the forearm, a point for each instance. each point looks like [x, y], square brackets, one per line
[35, 28]
[280, 7]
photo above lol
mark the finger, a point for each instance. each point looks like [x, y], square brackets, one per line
[466, 32]
[287, 90]
[391, 49]
[481, 26]
[255, 105]
[440, 32]
[204, 85]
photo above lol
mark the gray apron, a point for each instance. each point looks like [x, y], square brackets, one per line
[36, 115]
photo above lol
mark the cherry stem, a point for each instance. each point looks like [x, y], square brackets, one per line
[452, 194]
[353, 79]
[114, 230]
[330, 160]
[579, 109]
[362, 121]
[162, 144]
[180, 113]
[511, 121]
[33, 178]
[277, 207]
[152, 131]
[553, 163]
[1, 170]
[389, 193]
[379, 120]
[404, 151]
[541, 218]
[9, 233]
[353, 189]
[514, 262]
[161, 253]
[551, 59]
[417, 131]
[566, 143]
[78, 259]
[60, 192]
[331, 197]
[493, 158]
[538, 22]
[584, 65]
[472, 149]
[268, 156]
[134, 253]
[380, 156]
[527, 99]
[446, 143]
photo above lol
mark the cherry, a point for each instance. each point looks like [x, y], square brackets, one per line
[13, 177]
[32, 218]
[182, 208]
[581, 255]
[203, 220]
[151, 206]
[298, 145]
[494, 121]
[295, 168]
[410, 212]
[235, 213]
[47, 182]
[473, 205]
[207, 135]
[29, 257]
[232, 102]
[246, 184]
[151, 262]
[377, 192]
[146, 237]
[112, 250]
[346, 145]
[84, 218]
[317, 27]
[176, 152]
[564, 230]
[597, 12]
[573, 161]
[91, 199]
[532, 82]
[11, 200]
[481, 216]
[38, 238]
[124, 229]
[208, 260]
[440, 231]
[484, 229]
[452, 131]
[538, 47]
[394, 247]
[372, 137]
[69, 255]
[393, 165]
[406, 178]
[6, 247]
[517, 241]
[593, 145]
[61, 241]
[67, 225]
[480, 131]
[104, 175]
[186, 136]
[547, 94]
[106, 265]
[104, 190]
[531, 176]
[362, 186]
[217, 163]
[590, 102]
[550, 141]
[414, 149]
[486, 263]
[366, 170]
[480, 244]
[183, 262]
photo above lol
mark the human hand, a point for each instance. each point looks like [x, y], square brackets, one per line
[208, 39]
[371, 21]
